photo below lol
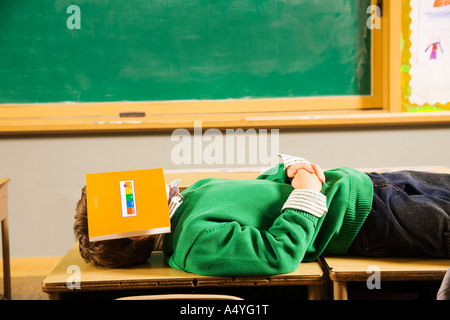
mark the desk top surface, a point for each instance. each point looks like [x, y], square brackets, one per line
[357, 264]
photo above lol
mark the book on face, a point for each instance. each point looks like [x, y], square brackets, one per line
[126, 204]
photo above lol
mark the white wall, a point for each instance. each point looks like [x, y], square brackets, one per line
[48, 172]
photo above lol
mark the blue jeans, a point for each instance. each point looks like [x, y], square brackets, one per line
[410, 216]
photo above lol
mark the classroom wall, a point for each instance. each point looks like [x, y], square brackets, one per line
[47, 172]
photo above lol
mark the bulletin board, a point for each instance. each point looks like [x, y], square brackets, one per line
[425, 55]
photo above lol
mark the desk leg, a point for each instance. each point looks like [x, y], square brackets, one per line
[315, 292]
[340, 290]
[6, 263]
[53, 296]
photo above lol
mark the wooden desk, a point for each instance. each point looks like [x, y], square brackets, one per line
[344, 269]
[5, 237]
[156, 274]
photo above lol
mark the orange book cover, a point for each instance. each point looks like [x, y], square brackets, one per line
[126, 204]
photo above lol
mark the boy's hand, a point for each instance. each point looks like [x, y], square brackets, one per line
[292, 170]
[305, 180]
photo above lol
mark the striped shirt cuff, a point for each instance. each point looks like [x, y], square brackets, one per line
[309, 201]
[290, 160]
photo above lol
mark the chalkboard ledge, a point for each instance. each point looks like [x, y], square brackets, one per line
[168, 123]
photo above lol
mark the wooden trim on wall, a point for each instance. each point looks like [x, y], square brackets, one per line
[255, 120]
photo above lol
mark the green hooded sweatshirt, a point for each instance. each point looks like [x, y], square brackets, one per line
[242, 227]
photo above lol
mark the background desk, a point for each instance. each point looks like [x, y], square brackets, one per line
[156, 274]
[5, 237]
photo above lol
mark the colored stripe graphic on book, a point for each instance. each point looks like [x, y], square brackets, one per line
[127, 197]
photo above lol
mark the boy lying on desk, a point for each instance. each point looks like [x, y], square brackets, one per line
[292, 213]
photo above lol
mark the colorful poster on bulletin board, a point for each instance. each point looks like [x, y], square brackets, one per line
[425, 55]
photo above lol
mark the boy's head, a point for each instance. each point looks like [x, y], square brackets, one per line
[117, 253]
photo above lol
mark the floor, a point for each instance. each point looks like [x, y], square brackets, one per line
[28, 288]
[27, 275]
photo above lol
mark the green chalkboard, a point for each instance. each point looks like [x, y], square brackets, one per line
[141, 50]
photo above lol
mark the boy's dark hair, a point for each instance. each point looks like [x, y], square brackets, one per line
[117, 253]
